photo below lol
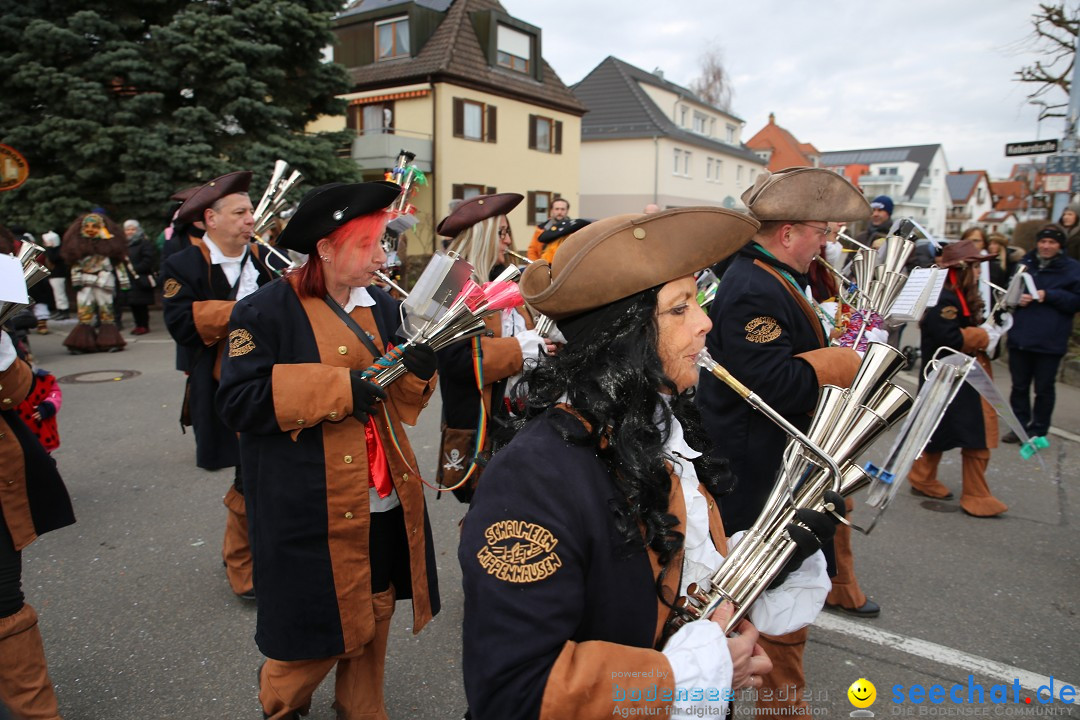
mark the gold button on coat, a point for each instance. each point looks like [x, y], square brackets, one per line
[300, 421]
[333, 414]
[405, 477]
[342, 350]
[348, 516]
[348, 459]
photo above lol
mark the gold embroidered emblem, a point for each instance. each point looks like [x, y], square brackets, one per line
[240, 343]
[519, 552]
[949, 312]
[762, 329]
[171, 288]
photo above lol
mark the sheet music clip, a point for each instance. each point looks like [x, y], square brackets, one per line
[879, 473]
[1033, 446]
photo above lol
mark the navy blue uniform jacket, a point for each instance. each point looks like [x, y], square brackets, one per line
[196, 307]
[968, 422]
[767, 334]
[556, 602]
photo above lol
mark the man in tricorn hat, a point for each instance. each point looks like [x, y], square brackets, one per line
[773, 338]
[200, 285]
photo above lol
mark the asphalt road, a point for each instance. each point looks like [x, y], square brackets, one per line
[139, 622]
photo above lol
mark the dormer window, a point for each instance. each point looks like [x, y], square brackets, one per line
[392, 38]
[514, 49]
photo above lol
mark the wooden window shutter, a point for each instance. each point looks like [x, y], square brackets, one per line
[532, 132]
[459, 118]
[532, 206]
[558, 136]
[351, 120]
[489, 190]
[491, 123]
[457, 192]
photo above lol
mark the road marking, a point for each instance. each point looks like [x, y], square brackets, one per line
[932, 651]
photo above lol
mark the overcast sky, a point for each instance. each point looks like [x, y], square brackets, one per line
[841, 74]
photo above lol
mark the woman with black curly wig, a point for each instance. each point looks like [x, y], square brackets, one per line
[602, 509]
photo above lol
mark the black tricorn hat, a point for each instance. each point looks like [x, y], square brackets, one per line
[475, 209]
[203, 197]
[562, 228]
[328, 207]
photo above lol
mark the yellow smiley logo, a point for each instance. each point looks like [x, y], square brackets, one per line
[862, 693]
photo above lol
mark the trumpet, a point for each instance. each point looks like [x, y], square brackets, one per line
[544, 324]
[33, 273]
[845, 423]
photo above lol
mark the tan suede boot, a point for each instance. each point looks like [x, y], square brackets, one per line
[25, 687]
[976, 498]
[923, 477]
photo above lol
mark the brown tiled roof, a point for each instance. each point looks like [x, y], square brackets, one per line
[1011, 194]
[453, 54]
[786, 150]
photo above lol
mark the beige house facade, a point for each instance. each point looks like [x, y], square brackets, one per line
[646, 140]
[464, 87]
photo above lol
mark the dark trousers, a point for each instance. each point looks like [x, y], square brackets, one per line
[1041, 368]
[11, 595]
[140, 313]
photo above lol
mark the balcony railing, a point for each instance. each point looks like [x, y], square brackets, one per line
[379, 148]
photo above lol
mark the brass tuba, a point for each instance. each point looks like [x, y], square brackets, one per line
[846, 422]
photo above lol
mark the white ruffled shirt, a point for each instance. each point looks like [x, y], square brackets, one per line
[249, 275]
[698, 652]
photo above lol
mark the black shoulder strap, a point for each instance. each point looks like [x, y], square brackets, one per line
[351, 324]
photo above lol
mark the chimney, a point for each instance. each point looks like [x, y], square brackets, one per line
[772, 118]
[658, 73]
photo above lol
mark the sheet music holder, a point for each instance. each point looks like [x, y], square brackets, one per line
[921, 291]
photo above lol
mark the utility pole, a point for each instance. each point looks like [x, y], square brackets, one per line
[1068, 160]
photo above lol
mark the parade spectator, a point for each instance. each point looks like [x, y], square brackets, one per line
[40, 407]
[1005, 259]
[141, 268]
[58, 276]
[560, 210]
[1041, 327]
[969, 423]
[1070, 223]
[977, 236]
[339, 525]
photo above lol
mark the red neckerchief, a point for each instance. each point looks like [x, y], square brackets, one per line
[954, 278]
[378, 467]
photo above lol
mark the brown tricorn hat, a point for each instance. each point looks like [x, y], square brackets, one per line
[805, 193]
[211, 192]
[471, 211]
[183, 195]
[619, 256]
[961, 251]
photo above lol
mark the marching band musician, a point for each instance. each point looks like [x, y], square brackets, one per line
[33, 502]
[200, 285]
[481, 235]
[336, 506]
[603, 508]
[771, 337]
[969, 423]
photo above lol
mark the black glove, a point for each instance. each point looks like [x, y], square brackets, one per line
[46, 410]
[420, 360]
[364, 395]
[822, 527]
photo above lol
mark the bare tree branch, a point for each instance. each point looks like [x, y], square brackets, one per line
[714, 84]
[1054, 34]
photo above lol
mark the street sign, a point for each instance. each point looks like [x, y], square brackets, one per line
[1035, 147]
[1058, 183]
